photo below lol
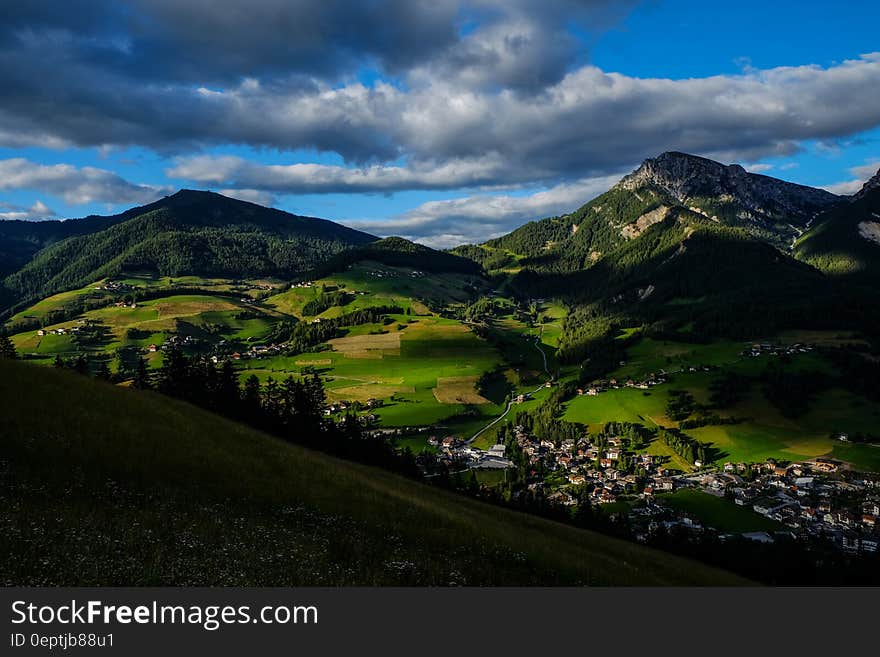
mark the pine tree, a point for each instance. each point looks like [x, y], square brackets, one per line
[59, 362]
[103, 371]
[81, 365]
[251, 399]
[142, 376]
[7, 349]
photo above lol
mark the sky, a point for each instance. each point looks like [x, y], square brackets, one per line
[443, 121]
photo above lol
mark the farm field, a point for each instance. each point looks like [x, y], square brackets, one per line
[418, 370]
[151, 322]
[717, 512]
[57, 302]
[425, 368]
[762, 430]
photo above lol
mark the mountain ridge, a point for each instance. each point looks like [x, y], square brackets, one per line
[689, 178]
[190, 232]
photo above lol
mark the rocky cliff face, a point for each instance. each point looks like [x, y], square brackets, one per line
[872, 184]
[729, 193]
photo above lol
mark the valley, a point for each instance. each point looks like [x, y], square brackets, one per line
[643, 366]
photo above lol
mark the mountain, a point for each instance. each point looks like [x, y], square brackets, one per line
[145, 490]
[870, 186]
[190, 232]
[771, 210]
[845, 241]
[21, 240]
[683, 242]
[766, 207]
[400, 252]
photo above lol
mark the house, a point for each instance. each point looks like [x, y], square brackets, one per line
[825, 465]
[663, 483]
[497, 451]
[41, 332]
[744, 496]
[153, 349]
[769, 505]
[760, 537]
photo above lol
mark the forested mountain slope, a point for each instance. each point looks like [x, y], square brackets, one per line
[190, 232]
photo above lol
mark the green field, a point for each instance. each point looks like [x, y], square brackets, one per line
[118, 487]
[153, 321]
[425, 367]
[717, 512]
[762, 431]
[403, 367]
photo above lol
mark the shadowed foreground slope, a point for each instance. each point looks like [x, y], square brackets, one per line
[106, 486]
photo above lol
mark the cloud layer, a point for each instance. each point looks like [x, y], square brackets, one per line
[75, 185]
[860, 175]
[473, 219]
[477, 95]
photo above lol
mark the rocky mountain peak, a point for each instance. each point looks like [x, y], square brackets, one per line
[692, 180]
[872, 184]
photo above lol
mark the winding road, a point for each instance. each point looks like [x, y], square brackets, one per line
[510, 403]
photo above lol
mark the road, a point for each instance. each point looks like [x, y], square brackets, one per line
[510, 403]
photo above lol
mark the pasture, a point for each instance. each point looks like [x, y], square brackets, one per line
[723, 515]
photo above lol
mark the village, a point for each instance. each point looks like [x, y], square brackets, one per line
[815, 500]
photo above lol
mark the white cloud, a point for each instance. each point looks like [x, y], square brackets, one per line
[861, 175]
[471, 219]
[37, 211]
[75, 185]
[322, 178]
[759, 168]
[587, 124]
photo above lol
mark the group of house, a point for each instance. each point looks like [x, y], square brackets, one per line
[815, 499]
[456, 452]
[602, 385]
[345, 406]
[768, 349]
[598, 468]
[115, 286]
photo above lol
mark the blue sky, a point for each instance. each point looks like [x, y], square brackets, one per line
[447, 121]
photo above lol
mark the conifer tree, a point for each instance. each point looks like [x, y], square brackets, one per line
[7, 349]
[141, 375]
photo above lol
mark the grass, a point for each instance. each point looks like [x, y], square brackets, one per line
[120, 487]
[458, 390]
[863, 457]
[155, 320]
[621, 405]
[762, 432]
[717, 512]
[407, 365]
